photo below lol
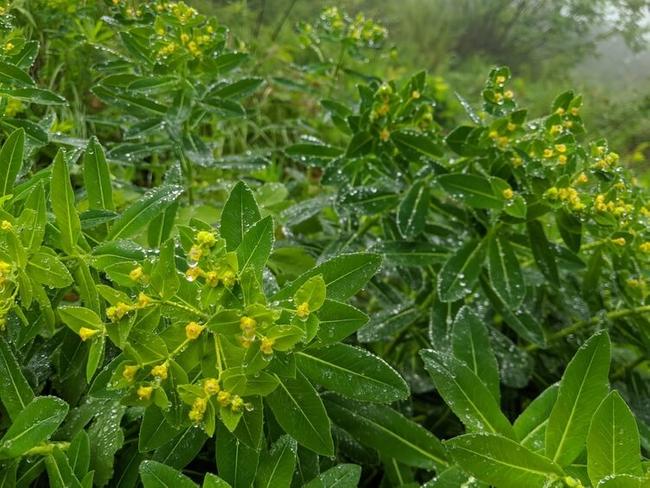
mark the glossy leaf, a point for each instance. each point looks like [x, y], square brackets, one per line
[501, 462]
[300, 412]
[63, 204]
[412, 211]
[471, 345]
[352, 372]
[393, 435]
[15, 392]
[461, 271]
[137, 216]
[97, 177]
[33, 425]
[466, 394]
[344, 275]
[613, 445]
[239, 214]
[11, 160]
[276, 468]
[583, 386]
[504, 271]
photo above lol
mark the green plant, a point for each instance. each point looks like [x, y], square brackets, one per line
[162, 320]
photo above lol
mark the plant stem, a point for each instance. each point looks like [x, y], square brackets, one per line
[581, 324]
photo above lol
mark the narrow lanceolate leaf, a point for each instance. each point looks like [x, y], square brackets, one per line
[459, 274]
[466, 394]
[33, 425]
[582, 387]
[62, 197]
[530, 426]
[471, 344]
[505, 273]
[236, 462]
[475, 191]
[276, 468]
[501, 462]
[300, 412]
[613, 444]
[239, 213]
[15, 392]
[412, 211]
[11, 160]
[337, 321]
[157, 475]
[164, 277]
[256, 245]
[542, 251]
[97, 177]
[390, 433]
[136, 218]
[344, 275]
[13, 75]
[341, 476]
[353, 372]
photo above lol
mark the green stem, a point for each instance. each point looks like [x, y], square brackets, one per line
[186, 308]
[47, 448]
[581, 324]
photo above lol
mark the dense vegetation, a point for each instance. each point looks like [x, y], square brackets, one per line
[287, 268]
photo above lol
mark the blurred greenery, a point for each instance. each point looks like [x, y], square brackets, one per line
[596, 46]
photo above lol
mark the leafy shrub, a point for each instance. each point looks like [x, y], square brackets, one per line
[159, 314]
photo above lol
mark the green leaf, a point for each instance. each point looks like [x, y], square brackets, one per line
[476, 191]
[13, 75]
[530, 426]
[78, 317]
[471, 344]
[276, 468]
[504, 271]
[15, 392]
[613, 444]
[256, 245]
[413, 144]
[337, 321]
[137, 216]
[97, 178]
[236, 462]
[543, 251]
[11, 160]
[164, 277]
[300, 412]
[79, 454]
[501, 462]
[155, 431]
[623, 481]
[465, 394]
[312, 292]
[340, 476]
[344, 275]
[158, 475]
[461, 271]
[583, 386]
[33, 425]
[353, 372]
[212, 481]
[393, 435]
[59, 471]
[63, 205]
[239, 213]
[34, 95]
[412, 211]
[47, 269]
[95, 356]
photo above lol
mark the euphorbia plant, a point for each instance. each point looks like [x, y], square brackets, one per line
[192, 336]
